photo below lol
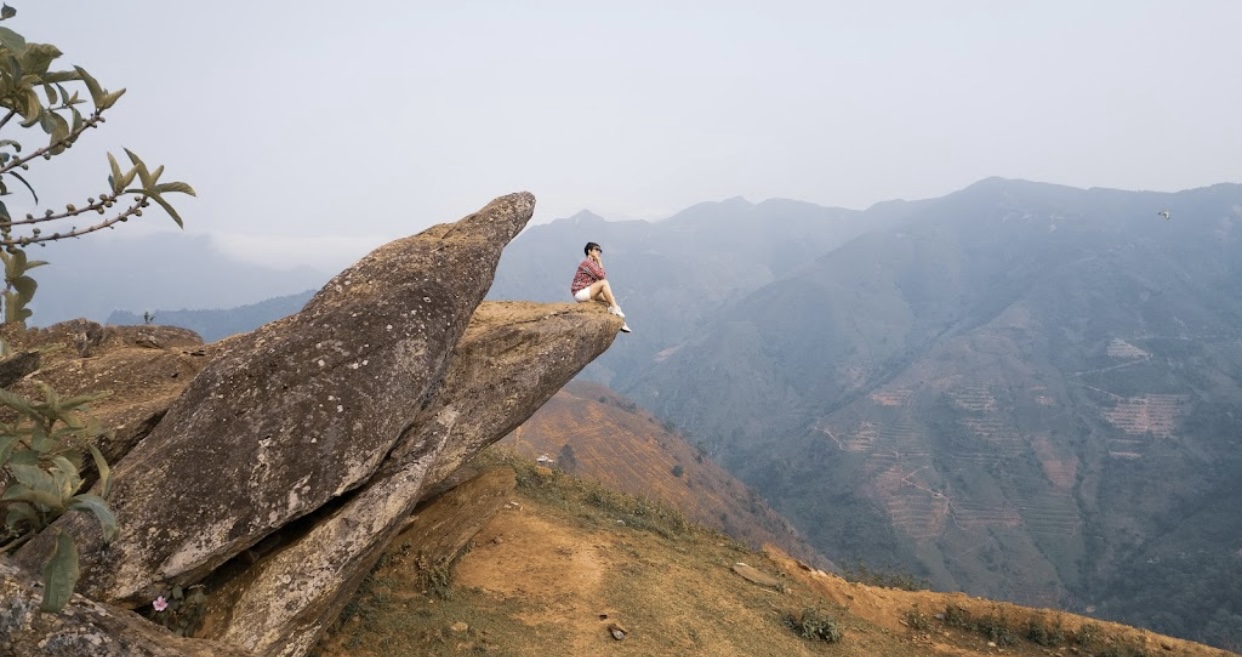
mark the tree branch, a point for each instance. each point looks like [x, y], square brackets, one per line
[95, 118]
[133, 210]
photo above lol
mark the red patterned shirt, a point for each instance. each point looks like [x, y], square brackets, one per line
[588, 272]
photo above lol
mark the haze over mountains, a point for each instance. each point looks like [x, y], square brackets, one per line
[160, 271]
[1024, 391]
[1020, 390]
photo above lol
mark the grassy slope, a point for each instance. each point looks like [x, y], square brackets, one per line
[613, 441]
[566, 558]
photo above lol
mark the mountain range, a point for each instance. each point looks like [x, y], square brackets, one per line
[1020, 390]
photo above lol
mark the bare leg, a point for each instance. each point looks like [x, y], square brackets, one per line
[602, 291]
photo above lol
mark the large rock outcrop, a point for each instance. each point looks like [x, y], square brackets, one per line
[318, 433]
[293, 414]
[512, 359]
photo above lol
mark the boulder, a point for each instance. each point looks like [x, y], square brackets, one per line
[299, 412]
[512, 358]
[143, 369]
[85, 628]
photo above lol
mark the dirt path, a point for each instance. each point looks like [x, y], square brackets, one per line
[557, 574]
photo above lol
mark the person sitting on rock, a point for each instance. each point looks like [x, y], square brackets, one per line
[590, 282]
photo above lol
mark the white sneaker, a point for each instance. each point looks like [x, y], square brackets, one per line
[625, 328]
[616, 310]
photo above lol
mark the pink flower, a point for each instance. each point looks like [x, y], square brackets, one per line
[160, 603]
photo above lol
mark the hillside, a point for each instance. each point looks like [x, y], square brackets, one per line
[1024, 391]
[592, 432]
[562, 562]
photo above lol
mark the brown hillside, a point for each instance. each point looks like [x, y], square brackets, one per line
[562, 562]
[590, 431]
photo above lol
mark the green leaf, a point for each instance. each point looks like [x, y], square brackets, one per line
[7, 442]
[23, 181]
[31, 108]
[38, 56]
[115, 179]
[24, 457]
[25, 287]
[16, 402]
[96, 505]
[105, 471]
[66, 476]
[183, 188]
[7, 12]
[19, 267]
[60, 127]
[167, 208]
[40, 442]
[19, 511]
[4, 212]
[24, 493]
[144, 174]
[155, 177]
[97, 92]
[33, 476]
[110, 99]
[12, 40]
[60, 574]
[54, 77]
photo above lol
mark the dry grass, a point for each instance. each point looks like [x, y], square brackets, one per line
[567, 558]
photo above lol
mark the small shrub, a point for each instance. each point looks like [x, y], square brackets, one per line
[434, 576]
[1041, 633]
[678, 470]
[438, 582]
[959, 617]
[917, 620]
[1087, 634]
[996, 628]
[814, 625]
[41, 454]
[893, 579]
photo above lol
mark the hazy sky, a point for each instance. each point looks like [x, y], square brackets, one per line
[311, 127]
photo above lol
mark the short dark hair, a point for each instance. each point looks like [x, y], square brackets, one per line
[586, 250]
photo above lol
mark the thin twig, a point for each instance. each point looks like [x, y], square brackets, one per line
[76, 232]
[66, 141]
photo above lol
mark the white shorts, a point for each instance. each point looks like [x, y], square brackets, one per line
[583, 295]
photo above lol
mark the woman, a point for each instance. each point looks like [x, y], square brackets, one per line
[590, 283]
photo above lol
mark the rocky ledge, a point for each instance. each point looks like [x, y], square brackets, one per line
[272, 468]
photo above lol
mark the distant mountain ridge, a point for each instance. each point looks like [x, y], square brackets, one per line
[212, 325]
[673, 274]
[158, 272]
[1021, 390]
